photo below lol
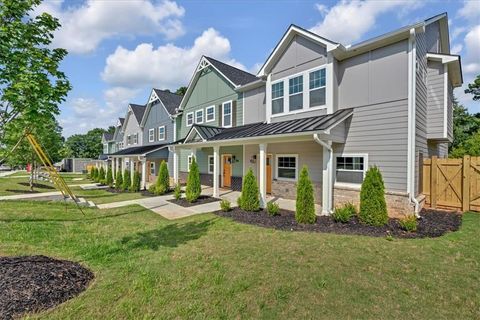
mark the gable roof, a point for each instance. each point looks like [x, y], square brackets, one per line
[205, 132]
[170, 100]
[122, 120]
[138, 110]
[107, 136]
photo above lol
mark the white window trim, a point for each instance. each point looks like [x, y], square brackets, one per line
[231, 114]
[208, 164]
[196, 113]
[186, 119]
[277, 156]
[135, 140]
[365, 168]
[206, 113]
[151, 135]
[282, 97]
[305, 92]
[163, 133]
[152, 166]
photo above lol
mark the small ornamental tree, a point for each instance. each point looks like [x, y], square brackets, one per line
[250, 198]
[135, 187]
[93, 173]
[97, 175]
[193, 189]
[126, 183]
[163, 179]
[119, 180]
[373, 207]
[109, 178]
[305, 204]
[101, 176]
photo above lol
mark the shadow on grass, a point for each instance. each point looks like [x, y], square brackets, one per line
[171, 235]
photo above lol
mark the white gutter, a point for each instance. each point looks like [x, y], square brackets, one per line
[327, 175]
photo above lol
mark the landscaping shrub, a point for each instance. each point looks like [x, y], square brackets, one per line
[194, 188]
[152, 189]
[373, 207]
[109, 178]
[101, 175]
[250, 198]
[118, 180]
[409, 223]
[177, 191]
[135, 187]
[126, 183]
[273, 208]
[94, 174]
[239, 201]
[163, 179]
[345, 213]
[225, 205]
[305, 204]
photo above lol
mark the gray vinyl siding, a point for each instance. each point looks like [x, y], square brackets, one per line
[421, 106]
[432, 33]
[254, 105]
[305, 114]
[131, 128]
[435, 100]
[377, 76]
[157, 117]
[302, 54]
[381, 131]
[439, 149]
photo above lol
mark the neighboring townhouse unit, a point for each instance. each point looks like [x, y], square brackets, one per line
[108, 143]
[385, 102]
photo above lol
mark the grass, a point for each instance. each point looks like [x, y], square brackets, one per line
[206, 267]
[11, 185]
[100, 196]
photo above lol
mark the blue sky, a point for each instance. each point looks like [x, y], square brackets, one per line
[119, 50]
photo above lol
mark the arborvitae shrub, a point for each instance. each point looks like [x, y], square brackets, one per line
[373, 207]
[250, 198]
[305, 204]
[118, 180]
[109, 178]
[163, 179]
[101, 176]
[94, 174]
[194, 187]
[135, 187]
[126, 183]
[177, 192]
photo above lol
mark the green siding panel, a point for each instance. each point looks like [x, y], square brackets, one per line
[202, 158]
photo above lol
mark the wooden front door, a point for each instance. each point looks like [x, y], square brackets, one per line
[269, 173]
[227, 171]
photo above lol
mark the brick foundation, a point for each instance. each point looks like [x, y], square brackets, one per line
[288, 190]
[397, 203]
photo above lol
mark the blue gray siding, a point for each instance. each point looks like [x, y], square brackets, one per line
[157, 116]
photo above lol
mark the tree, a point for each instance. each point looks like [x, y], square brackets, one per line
[250, 197]
[31, 84]
[109, 178]
[119, 180]
[163, 179]
[135, 187]
[471, 147]
[101, 177]
[373, 207]
[194, 188]
[474, 88]
[87, 145]
[465, 126]
[181, 91]
[305, 203]
[127, 181]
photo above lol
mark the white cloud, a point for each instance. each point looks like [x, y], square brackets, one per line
[349, 20]
[167, 66]
[86, 26]
[470, 10]
[471, 62]
[456, 49]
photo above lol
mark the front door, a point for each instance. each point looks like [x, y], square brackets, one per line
[269, 173]
[227, 171]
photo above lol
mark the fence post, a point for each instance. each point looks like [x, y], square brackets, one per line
[433, 181]
[466, 184]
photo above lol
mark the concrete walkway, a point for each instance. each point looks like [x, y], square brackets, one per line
[26, 196]
[7, 173]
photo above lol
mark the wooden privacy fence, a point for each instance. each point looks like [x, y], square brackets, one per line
[452, 183]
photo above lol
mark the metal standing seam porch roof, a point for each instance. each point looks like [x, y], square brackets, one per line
[262, 129]
[141, 150]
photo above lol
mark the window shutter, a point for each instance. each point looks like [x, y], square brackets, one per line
[165, 132]
[234, 113]
[220, 113]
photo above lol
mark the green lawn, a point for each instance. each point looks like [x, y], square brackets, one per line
[100, 196]
[206, 267]
[10, 186]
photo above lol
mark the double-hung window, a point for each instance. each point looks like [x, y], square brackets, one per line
[287, 166]
[317, 88]
[189, 119]
[161, 133]
[295, 91]
[152, 168]
[129, 139]
[227, 114]
[277, 97]
[151, 135]
[210, 114]
[210, 164]
[350, 169]
[199, 116]
[135, 138]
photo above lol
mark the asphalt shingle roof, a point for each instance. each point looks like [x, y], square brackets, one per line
[170, 100]
[108, 136]
[122, 120]
[237, 76]
[138, 111]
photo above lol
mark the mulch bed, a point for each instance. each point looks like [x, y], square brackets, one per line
[37, 185]
[434, 223]
[201, 200]
[34, 283]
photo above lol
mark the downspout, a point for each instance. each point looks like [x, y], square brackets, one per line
[321, 142]
[327, 146]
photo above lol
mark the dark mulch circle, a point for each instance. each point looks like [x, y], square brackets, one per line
[22, 191]
[201, 200]
[434, 223]
[37, 185]
[34, 283]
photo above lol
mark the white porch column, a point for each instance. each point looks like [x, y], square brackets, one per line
[175, 165]
[216, 170]
[112, 165]
[144, 174]
[131, 170]
[263, 176]
[327, 180]
[122, 165]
